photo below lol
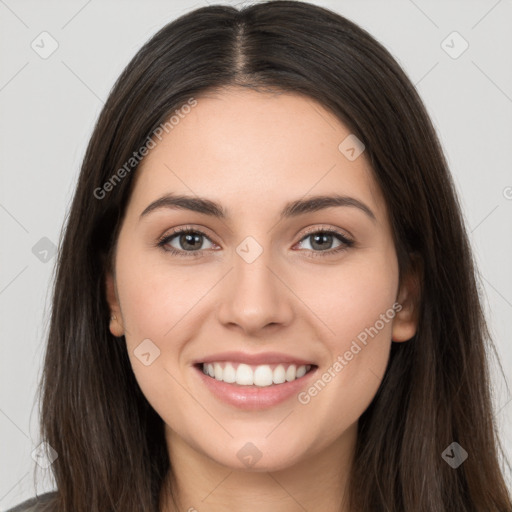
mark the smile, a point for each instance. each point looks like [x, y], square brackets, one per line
[254, 375]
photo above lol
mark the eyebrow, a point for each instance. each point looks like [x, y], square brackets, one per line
[291, 209]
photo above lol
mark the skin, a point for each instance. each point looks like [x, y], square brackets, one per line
[253, 152]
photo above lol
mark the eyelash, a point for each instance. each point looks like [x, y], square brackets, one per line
[162, 242]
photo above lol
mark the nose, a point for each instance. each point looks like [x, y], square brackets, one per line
[255, 298]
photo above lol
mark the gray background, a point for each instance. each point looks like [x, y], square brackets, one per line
[48, 108]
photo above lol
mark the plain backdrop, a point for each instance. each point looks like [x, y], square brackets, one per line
[49, 106]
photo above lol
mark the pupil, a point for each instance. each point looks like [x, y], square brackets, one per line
[322, 237]
[189, 238]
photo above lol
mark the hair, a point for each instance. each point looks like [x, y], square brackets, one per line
[110, 442]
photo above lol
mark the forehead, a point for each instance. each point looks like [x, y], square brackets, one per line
[266, 148]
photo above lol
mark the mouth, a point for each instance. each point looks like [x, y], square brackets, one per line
[254, 387]
[263, 375]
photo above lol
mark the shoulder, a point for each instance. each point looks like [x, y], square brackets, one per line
[34, 504]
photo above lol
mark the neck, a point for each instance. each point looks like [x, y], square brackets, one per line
[317, 482]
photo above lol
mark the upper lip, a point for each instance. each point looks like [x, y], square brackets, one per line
[254, 359]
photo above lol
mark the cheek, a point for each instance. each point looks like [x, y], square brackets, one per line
[357, 304]
[154, 304]
[160, 302]
[156, 296]
[352, 298]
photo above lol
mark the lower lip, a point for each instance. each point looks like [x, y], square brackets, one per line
[254, 397]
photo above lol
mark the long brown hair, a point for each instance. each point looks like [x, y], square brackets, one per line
[110, 442]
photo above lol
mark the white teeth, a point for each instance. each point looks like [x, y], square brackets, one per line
[301, 371]
[279, 375]
[217, 371]
[263, 375]
[244, 375]
[260, 375]
[229, 374]
[291, 373]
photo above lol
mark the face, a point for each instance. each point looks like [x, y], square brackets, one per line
[262, 289]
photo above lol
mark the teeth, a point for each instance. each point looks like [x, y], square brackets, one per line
[301, 371]
[229, 374]
[244, 375]
[261, 375]
[291, 373]
[279, 375]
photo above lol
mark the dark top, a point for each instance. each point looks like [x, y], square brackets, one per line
[33, 504]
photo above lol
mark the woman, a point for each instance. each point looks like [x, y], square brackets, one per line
[325, 348]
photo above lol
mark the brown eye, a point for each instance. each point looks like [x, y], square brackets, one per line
[321, 241]
[185, 241]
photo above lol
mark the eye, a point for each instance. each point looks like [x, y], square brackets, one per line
[321, 241]
[189, 242]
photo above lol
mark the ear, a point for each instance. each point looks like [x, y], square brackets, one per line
[116, 320]
[406, 319]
